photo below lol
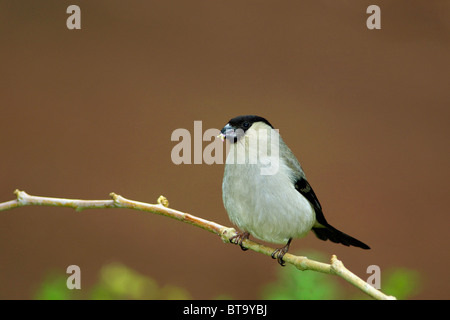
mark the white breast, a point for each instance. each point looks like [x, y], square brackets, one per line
[266, 206]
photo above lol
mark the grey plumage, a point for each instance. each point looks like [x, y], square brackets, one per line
[265, 190]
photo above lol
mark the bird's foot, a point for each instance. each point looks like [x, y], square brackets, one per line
[280, 252]
[239, 239]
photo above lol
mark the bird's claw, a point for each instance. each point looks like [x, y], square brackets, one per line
[239, 239]
[280, 252]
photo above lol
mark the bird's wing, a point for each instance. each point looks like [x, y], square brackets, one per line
[323, 230]
[305, 189]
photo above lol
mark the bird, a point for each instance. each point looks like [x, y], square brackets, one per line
[275, 205]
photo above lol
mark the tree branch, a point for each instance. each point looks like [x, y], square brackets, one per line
[336, 267]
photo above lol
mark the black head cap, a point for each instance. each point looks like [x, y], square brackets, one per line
[245, 122]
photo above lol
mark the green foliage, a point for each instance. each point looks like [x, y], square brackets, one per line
[120, 282]
[293, 284]
[117, 281]
[401, 283]
[53, 288]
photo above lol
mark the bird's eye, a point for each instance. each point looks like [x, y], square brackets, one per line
[246, 124]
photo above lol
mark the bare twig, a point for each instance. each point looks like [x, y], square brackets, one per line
[336, 267]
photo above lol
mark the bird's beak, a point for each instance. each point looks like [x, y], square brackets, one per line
[223, 133]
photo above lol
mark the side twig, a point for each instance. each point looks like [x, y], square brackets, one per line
[336, 267]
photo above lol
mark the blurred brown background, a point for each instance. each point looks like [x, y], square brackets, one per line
[88, 112]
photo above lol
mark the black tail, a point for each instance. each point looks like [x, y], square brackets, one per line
[334, 235]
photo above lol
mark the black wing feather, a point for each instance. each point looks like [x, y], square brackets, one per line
[325, 231]
[303, 186]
